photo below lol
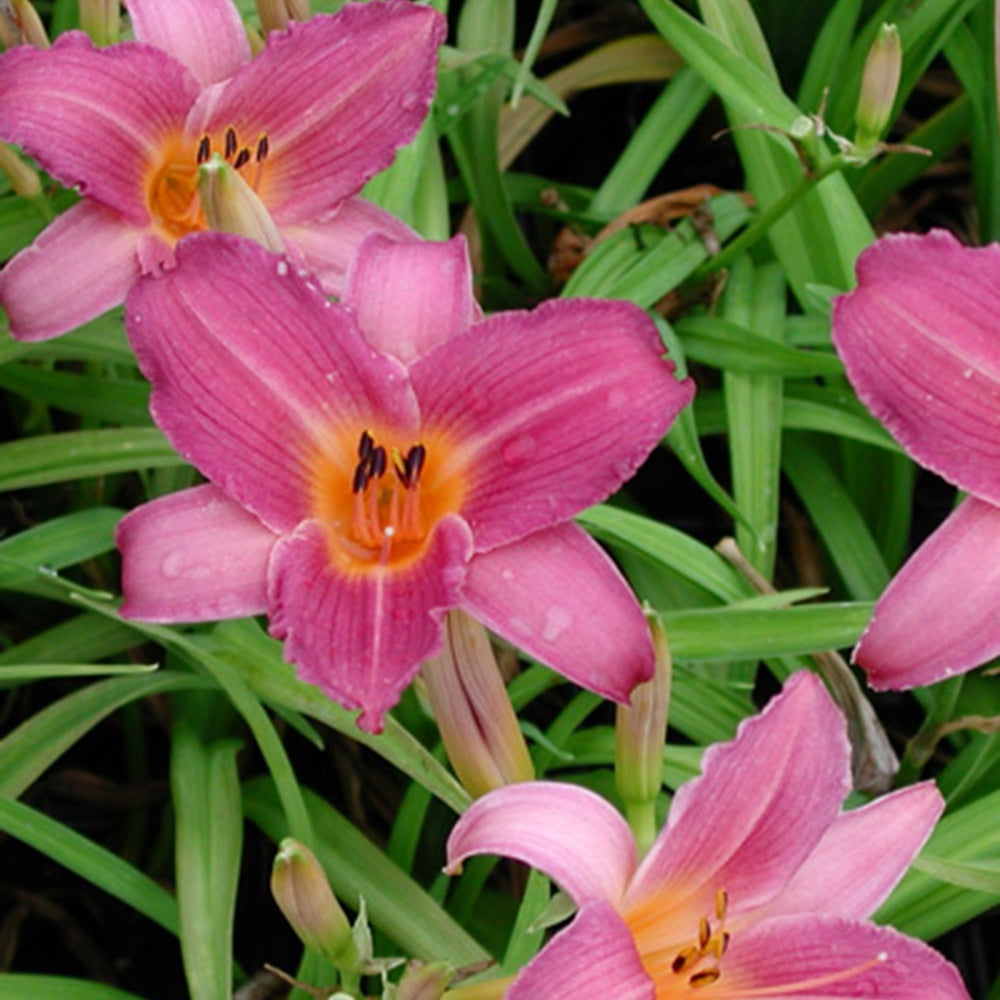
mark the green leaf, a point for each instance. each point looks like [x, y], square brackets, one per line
[21, 986]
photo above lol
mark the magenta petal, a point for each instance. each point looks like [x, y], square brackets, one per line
[361, 635]
[557, 408]
[862, 856]
[193, 556]
[94, 118]
[207, 36]
[556, 595]
[254, 370]
[568, 832]
[940, 615]
[336, 95]
[814, 958]
[329, 245]
[758, 810]
[94, 253]
[584, 960]
[409, 297]
[918, 338]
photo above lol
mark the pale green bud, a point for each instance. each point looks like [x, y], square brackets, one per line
[21, 25]
[23, 179]
[879, 84]
[232, 206]
[101, 19]
[274, 15]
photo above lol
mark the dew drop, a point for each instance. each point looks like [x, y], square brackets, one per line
[410, 99]
[453, 109]
[557, 620]
[622, 469]
[967, 373]
[282, 268]
[518, 450]
[172, 565]
[507, 575]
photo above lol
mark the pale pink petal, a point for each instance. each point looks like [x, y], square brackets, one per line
[193, 556]
[254, 370]
[94, 118]
[758, 810]
[328, 245]
[94, 253]
[919, 341]
[594, 956]
[557, 596]
[568, 832]
[361, 634]
[336, 96]
[940, 615]
[207, 36]
[862, 856]
[410, 297]
[556, 408]
[815, 958]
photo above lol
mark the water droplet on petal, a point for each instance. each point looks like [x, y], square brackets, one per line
[622, 468]
[282, 268]
[172, 565]
[557, 620]
[518, 450]
[507, 575]
[410, 99]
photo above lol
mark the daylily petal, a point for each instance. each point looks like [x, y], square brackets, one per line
[410, 297]
[940, 615]
[862, 856]
[336, 96]
[568, 832]
[329, 245]
[758, 810]
[361, 636]
[193, 556]
[253, 368]
[207, 36]
[550, 425]
[95, 254]
[826, 957]
[595, 955]
[557, 596]
[94, 118]
[918, 339]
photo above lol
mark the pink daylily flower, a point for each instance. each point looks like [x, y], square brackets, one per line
[919, 341]
[320, 110]
[377, 461]
[758, 886]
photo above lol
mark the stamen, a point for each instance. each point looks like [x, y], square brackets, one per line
[263, 148]
[399, 465]
[365, 444]
[415, 459]
[204, 149]
[705, 978]
[721, 903]
[362, 474]
[231, 142]
[704, 933]
[378, 462]
[685, 958]
[242, 159]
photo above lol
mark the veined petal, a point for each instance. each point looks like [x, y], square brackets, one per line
[361, 636]
[550, 425]
[207, 36]
[918, 339]
[758, 810]
[595, 955]
[940, 615]
[93, 250]
[814, 958]
[862, 856]
[253, 368]
[556, 595]
[409, 297]
[193, 556]
[336, 96]
[328, 245]
[568, 832]
[94, 118]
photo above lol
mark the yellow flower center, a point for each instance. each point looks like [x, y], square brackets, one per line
[172, 189]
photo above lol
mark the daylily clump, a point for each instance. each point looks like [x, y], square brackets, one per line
[758, 886]
[378, 461]
[306, 122]
[919, 341]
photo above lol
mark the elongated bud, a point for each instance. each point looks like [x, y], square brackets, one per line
[232, 206]
[21, 25]
[424, 981]
[274, 15]
[303, 894]
[474, 716]
[101, 19]
[879, 85]
[23, 179]
[640, 733]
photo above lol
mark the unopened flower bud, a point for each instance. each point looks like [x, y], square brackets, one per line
[879, 85]
[232, 206]
[303, 894]
[21, 25]
[640, 733]
[101, 20]
[424, 981]
[23, 179]
[274, 15]
[474, 716]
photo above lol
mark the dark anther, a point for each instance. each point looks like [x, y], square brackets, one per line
[705, 978]
[204, 149]
[414, 463]
[377, 462]
[242, 159]
[678, 963]
[230, 142]
[360, 480]
[365, 445]
[263, 148]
